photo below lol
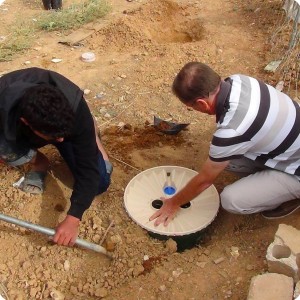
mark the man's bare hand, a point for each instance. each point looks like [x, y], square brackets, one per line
[166, 213]
[67, 231]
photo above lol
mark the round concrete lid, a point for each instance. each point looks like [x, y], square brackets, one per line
[142, 198]
[88, 57]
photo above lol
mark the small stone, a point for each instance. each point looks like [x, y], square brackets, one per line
[33, 291]
[100, 96]
[86, 91]
[26, 265]
[73, 290]
[67, 265]
[239, 279]
[206, 252]
[272, 66]
[171, 246]
[280, 86]
[101, 292]
[103, 110]
[57, 295]
[177, 272]
[138, 270]
[162, 288]
[201, 264]
[116, 239]
[110, 246]
[234, 251]
[219, 260]
[56, 60]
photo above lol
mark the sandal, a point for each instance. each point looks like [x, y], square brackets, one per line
[34, 182]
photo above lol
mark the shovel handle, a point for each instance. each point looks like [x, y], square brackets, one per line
[51, 232]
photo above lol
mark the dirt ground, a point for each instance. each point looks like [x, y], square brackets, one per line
[139, 49]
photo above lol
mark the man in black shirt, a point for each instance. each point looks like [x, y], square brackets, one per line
[40, 107]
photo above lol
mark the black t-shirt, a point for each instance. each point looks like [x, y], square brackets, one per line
[83, 142]
[82, 139]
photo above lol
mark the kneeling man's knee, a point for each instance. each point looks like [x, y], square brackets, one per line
[231, 201]
[104, 183]
[103, 186]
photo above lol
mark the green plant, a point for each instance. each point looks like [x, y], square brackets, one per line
[23, 34]
[73, 17]
[19, 40]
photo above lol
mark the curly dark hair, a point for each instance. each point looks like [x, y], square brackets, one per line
[195, 80]
[47, 110]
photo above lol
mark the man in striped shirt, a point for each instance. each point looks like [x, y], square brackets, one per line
[257, 136]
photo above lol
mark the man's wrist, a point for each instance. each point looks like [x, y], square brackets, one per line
[175, 201]
[73, 220]
[76, 210]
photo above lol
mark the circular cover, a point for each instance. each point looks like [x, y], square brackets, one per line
[143, 191]
[88, 57]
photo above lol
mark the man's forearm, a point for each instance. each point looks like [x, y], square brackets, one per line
[204, 179]
[194, 187]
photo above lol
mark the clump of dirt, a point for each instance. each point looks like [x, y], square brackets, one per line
[157, 21]
[123, 141]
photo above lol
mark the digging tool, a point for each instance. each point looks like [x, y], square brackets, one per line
[51, 232]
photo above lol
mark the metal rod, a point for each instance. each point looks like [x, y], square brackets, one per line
[51, 232]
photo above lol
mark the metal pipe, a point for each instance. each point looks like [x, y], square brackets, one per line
[51, 232]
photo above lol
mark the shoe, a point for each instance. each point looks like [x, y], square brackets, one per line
[282, 210]
[34, 182]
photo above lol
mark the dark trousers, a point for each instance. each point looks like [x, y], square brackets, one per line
[66, 151]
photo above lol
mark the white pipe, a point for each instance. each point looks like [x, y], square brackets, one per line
[51, 232]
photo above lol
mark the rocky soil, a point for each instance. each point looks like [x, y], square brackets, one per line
[139, 49]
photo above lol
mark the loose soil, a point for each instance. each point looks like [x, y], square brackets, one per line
[139, 49]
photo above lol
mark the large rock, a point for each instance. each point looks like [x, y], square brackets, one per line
[271, 286]
[284, 252]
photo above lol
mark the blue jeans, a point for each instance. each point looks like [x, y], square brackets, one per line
[104, 167]
[14, 155]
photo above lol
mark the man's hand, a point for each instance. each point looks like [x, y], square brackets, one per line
[208, 173]
[166, 213]
[67, 231]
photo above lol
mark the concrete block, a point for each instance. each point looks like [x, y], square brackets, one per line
[271, 286]
[283, 254]
[297, 290]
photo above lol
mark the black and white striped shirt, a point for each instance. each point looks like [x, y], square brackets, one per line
[259, 122]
